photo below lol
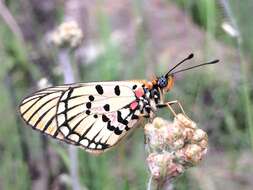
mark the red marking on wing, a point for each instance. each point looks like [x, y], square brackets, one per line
[133, 105]
[139, 92]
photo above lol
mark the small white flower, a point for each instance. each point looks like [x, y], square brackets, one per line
[43, 83]
[68, 34]
[229, 29]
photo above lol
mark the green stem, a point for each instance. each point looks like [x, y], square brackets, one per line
[244, 70]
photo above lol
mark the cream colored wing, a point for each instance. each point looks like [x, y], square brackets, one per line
[92, 115]
[39, 110]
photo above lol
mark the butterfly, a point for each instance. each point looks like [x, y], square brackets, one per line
[97, 115]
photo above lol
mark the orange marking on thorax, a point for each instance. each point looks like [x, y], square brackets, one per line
[148, 85]
[170, 83]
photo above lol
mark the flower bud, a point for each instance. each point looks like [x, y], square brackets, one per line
[193, 153]
[199, 135]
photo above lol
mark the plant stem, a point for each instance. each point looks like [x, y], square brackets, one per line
[244, 70]
[64, 61]
[10, 21]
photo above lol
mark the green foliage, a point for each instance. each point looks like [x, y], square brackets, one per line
[13, 169]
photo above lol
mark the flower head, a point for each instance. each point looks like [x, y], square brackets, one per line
[68, 34]
[174, 146]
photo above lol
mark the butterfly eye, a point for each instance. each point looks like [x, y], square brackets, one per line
[162, 82]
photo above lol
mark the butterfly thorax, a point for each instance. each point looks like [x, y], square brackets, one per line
[148, 99]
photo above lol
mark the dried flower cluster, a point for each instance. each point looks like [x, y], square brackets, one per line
[173, 147]
[68, 34]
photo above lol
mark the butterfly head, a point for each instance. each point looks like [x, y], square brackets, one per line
[166, 83]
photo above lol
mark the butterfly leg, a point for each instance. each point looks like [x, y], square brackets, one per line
[177, 103]
[169, 105]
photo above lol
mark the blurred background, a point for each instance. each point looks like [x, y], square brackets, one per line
[127, 39]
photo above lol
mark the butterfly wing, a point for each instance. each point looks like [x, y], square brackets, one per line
[91, 115]
[40, 110]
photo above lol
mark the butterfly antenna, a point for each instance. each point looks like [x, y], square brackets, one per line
[185, 59]
[208, 63]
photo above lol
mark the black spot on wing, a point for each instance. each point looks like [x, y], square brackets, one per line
[99, 89]
[107, 107]
[117, 131]
[88, 105]
[120, 119]
[117, 90]
[91, 98]
[105, 118]
[110, 127]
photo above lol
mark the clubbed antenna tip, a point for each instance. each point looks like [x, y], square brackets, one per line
[190, 56]
[214, 61]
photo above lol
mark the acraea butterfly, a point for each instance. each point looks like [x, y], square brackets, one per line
[97, 115]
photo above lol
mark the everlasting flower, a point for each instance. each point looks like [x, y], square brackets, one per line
[173, 147]
[68, 34]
